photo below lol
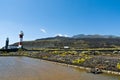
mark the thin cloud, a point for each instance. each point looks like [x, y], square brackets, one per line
[65, 35]
[58, 35]
[61, 35]
[43, 30]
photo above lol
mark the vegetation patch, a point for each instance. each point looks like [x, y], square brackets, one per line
[118, 66]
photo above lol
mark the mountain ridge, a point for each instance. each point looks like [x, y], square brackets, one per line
[73, 42]
[94, 36]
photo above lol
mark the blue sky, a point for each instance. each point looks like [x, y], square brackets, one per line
[47, 18]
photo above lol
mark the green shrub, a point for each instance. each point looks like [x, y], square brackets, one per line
[118, 65]
[78, 61]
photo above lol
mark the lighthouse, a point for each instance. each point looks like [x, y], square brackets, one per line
[21, 34]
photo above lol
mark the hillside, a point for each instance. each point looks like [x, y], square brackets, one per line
[60, 42]
[94, 36]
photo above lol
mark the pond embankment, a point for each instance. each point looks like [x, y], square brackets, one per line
[108, 63]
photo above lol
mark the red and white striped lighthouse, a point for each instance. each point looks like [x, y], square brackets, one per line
[21, 39]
